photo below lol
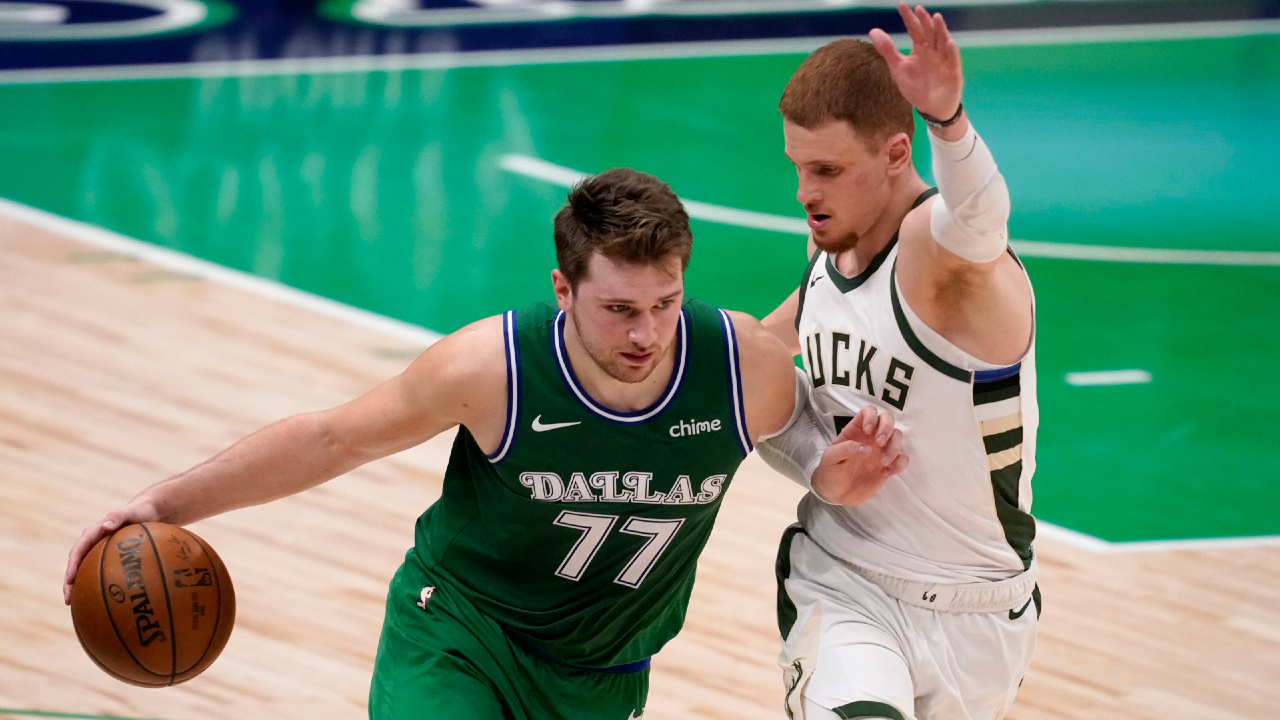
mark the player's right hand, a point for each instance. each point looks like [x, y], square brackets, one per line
[860, 460]
[138, 510]
[930, 78]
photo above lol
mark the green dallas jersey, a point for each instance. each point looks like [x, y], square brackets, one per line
[580, 535]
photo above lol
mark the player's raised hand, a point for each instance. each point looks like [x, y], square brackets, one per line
[930, 77]
[858, 462]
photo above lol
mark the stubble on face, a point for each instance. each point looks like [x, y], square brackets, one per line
[834, 244]
[607, 359]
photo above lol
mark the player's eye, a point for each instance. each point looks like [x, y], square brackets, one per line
[828, 170]
[619, 308]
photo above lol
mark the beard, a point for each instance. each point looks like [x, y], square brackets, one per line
[612, 365]
[836, 244]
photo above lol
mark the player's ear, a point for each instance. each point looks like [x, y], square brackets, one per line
[897, 150]
[563, 290]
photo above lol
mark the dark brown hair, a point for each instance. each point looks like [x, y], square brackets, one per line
[625, 215]
[847, 80]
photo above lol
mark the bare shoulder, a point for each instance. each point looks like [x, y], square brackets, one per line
[760, 349]
[465, 370]
[768, 375]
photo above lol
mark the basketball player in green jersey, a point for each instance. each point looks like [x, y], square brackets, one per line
[598, 436]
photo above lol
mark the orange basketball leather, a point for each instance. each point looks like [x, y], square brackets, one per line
[153, 605]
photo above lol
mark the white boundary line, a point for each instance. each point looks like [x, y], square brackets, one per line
[1107, 378]
[618, 53]
[205, 270]
[181, 262]
[565, 177]
[1080, 540]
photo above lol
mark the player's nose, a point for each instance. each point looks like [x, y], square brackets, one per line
[807, 192]
[644, 332]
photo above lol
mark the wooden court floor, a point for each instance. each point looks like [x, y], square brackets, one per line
[115, 373]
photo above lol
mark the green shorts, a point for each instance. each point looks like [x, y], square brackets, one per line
[449, 660]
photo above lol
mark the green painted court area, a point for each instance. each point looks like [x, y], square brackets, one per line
[384, 190]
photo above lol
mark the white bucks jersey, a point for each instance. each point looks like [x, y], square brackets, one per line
[961, 511]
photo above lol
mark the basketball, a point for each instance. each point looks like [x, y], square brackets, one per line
[153, 605]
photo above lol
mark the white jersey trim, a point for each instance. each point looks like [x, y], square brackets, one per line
[735, 383]
[677, 375]
[513, 386]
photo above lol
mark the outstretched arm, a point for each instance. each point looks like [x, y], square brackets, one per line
[459, 380]
[954, 268]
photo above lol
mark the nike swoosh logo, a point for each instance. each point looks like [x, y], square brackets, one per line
[815, 281]
[538, 426]
[1015, 615]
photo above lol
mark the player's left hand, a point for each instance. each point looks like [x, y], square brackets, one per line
[930, 77]
[858, 462]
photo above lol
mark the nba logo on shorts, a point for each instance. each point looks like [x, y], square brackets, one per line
[424, 597]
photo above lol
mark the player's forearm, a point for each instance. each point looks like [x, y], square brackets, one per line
[279, 460]
[971, 218]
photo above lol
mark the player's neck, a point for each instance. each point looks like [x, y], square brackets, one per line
[608, 390]
[854, 261]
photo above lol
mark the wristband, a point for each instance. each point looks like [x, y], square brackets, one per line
[935, 123]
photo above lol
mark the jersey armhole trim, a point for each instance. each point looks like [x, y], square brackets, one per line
[512, 351]
[913, 342]
[735, 384]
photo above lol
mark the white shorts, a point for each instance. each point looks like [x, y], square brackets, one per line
[852, 649]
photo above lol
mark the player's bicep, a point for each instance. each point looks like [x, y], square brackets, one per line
[459, 380]
[768, 376]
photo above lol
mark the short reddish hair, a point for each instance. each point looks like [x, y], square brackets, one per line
[847, 80]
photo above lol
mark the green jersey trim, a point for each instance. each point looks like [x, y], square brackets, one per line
[848, 284]
[914, 343]
[735, 383]
[512, 346]
[626, 418]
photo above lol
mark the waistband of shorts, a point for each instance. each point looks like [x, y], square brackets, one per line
[979, 597]
[625, 669]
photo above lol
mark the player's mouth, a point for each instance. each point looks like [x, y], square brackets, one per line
[638, 358]
[818, 221]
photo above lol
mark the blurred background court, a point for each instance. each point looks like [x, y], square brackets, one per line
[342, 180]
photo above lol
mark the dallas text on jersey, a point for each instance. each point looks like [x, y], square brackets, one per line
[631, 487]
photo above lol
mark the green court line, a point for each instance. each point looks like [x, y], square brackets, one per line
[45, 713]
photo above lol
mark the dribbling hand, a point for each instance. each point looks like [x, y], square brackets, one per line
[136, 511]
[866, 453]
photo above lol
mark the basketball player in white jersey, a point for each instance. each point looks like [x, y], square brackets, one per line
[909, 600]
